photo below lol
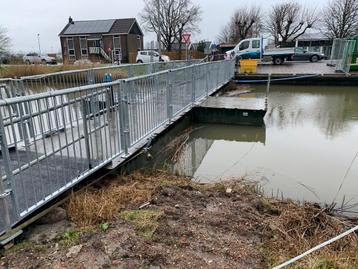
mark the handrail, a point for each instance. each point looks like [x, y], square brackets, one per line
[96, 69]
[14, 100]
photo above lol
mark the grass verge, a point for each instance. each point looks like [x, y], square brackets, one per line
[145, 221]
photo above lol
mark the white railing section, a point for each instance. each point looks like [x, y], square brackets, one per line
[50, 141]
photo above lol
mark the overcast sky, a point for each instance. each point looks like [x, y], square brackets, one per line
[24, 19]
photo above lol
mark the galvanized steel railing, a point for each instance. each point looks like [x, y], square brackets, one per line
[50, 141]
[76, 78]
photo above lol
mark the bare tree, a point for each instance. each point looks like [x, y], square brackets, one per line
[245, 23]
[173, 18]
[341, 18]
[4, 41]
[289, 20]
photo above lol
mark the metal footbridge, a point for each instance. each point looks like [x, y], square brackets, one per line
[58, 129]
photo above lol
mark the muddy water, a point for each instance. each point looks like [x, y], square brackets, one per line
[306, 150]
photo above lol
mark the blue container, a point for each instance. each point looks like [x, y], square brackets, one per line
[107, 77]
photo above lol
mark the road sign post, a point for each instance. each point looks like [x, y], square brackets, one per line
[186, 40]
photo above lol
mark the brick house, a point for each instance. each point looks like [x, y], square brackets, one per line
[100, 40]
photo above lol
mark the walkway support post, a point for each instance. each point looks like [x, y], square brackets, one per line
[124, 116]
[86, 133]
[193, 84]
[169, 95]
[6, 192]
[207, 75]
[267, 90]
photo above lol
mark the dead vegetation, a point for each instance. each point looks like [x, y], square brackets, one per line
[294, 229]
[175, 147]
[159, 219]
[97, 205]
[290, 229]
[17, 71]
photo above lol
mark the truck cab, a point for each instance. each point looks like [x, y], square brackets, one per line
[249, 49]
[253, 48]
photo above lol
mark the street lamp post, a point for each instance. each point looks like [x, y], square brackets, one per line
[38, 41]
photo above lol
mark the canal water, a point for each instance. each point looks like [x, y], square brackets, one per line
[306, 151]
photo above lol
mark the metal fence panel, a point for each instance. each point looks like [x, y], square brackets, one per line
[342, 53]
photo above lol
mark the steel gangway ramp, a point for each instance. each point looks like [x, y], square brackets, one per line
[52, 140]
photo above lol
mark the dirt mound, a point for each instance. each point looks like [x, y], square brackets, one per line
[163, 221]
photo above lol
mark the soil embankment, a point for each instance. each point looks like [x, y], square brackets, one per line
[158, 220]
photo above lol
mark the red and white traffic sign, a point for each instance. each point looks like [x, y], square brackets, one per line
[186, 38]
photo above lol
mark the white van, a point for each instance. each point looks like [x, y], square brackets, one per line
[147, 56]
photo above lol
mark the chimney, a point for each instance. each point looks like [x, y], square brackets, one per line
[70, 20]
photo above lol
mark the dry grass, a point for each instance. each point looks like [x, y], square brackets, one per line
[95, 206]
[297, 228]
[17, 71]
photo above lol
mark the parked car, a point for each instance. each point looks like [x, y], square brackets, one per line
[34, 58]
[147, 56]
[304, 55]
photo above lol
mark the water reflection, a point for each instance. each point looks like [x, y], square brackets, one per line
[303, 153]
[331, 109]
[203, 138]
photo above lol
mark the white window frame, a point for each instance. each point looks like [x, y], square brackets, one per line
[140, 42]
[117, 49]
[71, 56]
[83, 55]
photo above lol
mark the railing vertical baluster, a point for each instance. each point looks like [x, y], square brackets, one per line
[130, 71]
[28, 122]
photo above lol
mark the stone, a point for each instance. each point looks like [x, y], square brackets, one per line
[117, 262]
[228, 190]
[56, 215]
[47, 232]
[74, 251]
[154, 267]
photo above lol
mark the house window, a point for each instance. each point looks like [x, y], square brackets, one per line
[116, 42]
[83, 44]
[139, 42]
[117, 48]
[71, 48]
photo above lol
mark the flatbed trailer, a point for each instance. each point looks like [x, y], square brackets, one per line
[279, 55]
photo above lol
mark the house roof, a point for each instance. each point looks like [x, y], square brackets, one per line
[313, 36]
[115, 26]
